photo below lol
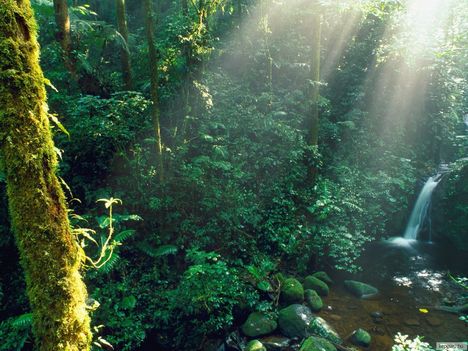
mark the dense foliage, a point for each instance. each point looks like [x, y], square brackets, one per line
[244, 194]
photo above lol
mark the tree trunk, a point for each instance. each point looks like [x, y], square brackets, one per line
[64, 35]
[154, 75]
[124, 51]
[50, 255]
[315, 78]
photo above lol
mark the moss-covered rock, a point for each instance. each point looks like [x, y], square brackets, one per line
[255, 345]
[324, 277]
[258, 324]
[316, 284]
[313, 300]
[294, 321]
[320, 327]
[361, 337]
[291, 292]
[360, 289]
[314, 343]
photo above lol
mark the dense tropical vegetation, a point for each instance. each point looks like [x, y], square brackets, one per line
[209, 151]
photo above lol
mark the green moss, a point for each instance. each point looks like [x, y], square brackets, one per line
[292, 291]
[49, 253]
[313, 300]
[316, 284]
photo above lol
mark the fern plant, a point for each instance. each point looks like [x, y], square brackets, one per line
[107, 243]
[16, 332]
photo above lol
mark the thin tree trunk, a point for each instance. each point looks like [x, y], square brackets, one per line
[154, 76]
[315, 77]
[124, 51]
[50, 254]
[62, 20]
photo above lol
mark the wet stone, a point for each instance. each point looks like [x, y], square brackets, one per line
[335, 317]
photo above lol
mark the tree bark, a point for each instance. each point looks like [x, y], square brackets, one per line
[315, 78]
[62, 20]
[154, 77]
[50, 254]
[124, 51]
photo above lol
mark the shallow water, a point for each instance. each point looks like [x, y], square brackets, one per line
[410, 277]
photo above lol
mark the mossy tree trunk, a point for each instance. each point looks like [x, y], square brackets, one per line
[50, 255]
[315, 78]
[62, 20]
[124, 51]
[154, 77]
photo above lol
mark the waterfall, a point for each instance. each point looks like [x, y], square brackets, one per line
[420, 210]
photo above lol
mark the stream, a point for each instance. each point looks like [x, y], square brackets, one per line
[410, 277]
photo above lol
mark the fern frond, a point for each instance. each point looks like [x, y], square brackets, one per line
[22, 321]
[164, 250]
[124, 235]
[110, 263]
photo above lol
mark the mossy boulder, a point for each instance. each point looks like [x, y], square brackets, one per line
[361, 290]
[255, 345]
[291, 292]
[294, 321]
[317, 344]
[313, 300]
[361, 337]
[258, 324]
[320, 327]
[317, 285]
[324, 277]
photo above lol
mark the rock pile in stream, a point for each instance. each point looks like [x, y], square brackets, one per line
[295, 325]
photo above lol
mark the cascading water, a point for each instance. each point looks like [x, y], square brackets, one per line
[420, 210]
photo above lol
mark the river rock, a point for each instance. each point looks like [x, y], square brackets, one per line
[291, 292]
[213, 345]
[313, 300]
[294, 321]
[335, 317]
[234, 342]
[361, 337]
[360, 289]
[316, 284]
[275, 342]
[320, 327]
[258, 324]
[317, 344]
[255, 345]
[324, 277]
